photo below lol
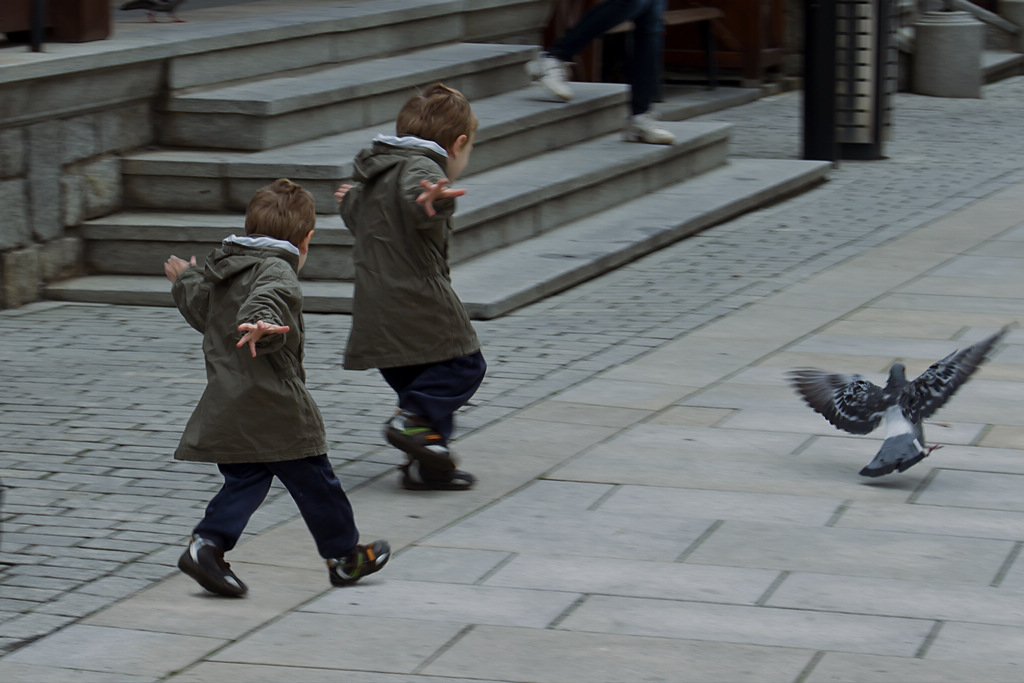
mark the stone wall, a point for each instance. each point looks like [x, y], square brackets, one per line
[60, 144]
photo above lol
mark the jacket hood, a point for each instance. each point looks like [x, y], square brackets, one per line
[240, 253]
[388, 151]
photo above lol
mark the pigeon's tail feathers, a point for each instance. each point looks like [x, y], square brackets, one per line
[848, 402]
[136, 4]
[898, 452]
[940, 381]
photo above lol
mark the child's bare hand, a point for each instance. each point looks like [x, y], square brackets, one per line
[341, 192]
[256, 331]
[174, 266]
[433, 192]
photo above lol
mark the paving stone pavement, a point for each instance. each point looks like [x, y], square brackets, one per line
[93, 399]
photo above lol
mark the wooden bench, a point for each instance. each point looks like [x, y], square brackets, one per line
[703, 16]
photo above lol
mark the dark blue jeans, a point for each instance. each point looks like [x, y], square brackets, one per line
[644, 67]
[310, 481]
[436, 390]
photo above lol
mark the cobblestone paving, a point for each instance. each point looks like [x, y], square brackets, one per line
[93, 398]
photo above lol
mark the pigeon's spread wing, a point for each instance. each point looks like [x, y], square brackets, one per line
[938, 383]
[849, 402]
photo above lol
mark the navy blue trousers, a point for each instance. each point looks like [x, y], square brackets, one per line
[645, 57]
[311, 482]
[436, 390]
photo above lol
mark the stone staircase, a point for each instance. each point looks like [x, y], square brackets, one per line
[554, 196]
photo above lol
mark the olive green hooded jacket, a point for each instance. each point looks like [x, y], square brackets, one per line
[253, 409]
[404, 309]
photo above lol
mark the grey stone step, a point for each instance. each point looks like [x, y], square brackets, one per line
[293, 35]
[496, 284]
[513, 125]
[292, 107]
[305, 37]
[499, 282]
[502, 206]
[999, 64]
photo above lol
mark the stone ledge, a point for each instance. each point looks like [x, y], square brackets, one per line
[305, 20]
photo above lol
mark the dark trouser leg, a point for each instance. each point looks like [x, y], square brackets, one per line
[245, 487]
[594, 24]
[645, 62]
[435, 391]
[324, 506]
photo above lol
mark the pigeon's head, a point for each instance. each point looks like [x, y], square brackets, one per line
[897, 373]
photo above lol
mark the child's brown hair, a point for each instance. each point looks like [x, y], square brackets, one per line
[283, 210]
[439, 113]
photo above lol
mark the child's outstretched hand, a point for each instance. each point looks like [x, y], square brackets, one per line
[256, 331]
[340, 193]
[174, 266]
[433, 192]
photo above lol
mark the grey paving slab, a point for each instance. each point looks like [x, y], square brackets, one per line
[446, 565]
[449, 603]
[616, 393]
[29, 673]
[750, 625]
[691, 416]
[841, 666]
[635, 578]
[931, 519]
[704, 504]
[562, 410]
[1006, 309]
[521, 525]
[554, 657]
[877, 346]
[1012, 577]
[1003, 436]
[854, 552]
[217, 672]
[721, 459]
[115, 651]
[980, 644]
[988, 490]
[164, 609]
[884, 323]
[342, 642]
[900, 598]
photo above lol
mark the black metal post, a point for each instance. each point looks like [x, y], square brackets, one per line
[820, 80]
[38, 29]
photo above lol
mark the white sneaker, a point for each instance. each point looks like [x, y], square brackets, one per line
[552, 74]
[644, 128]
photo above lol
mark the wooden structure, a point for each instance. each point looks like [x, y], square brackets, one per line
[702, 18]
[68, 21]
[747, 35]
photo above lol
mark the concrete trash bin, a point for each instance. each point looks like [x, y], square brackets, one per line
[947, 54]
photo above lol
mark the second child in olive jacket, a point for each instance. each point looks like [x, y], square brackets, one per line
[407, 320]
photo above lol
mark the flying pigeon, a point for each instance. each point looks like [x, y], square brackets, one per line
[854, 404]
[151, 6]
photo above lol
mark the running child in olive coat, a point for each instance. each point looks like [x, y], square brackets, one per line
[407, 320]
[256, 419]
